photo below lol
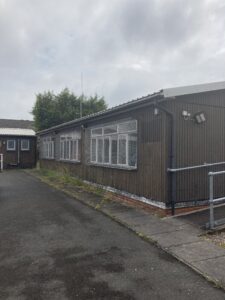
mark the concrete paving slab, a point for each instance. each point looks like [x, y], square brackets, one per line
[133, 217]
[177, 222]
[153, 228]
[185, 226]
[213, 268]
[197, 251]
[121, 209]
[200, 218]
[175, 238]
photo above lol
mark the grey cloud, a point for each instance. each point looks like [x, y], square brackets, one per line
[125, 48]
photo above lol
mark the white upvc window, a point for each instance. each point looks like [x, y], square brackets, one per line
[115, 144]
[70, 147]
[48, 148]
[11, 145]
[25, 145]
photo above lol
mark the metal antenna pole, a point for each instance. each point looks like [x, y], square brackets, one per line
[82, 95]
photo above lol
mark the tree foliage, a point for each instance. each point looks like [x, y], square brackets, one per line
[50, 109]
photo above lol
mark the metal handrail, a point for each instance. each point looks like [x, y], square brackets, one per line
[173, 172]
[211, 197]
[205, 165]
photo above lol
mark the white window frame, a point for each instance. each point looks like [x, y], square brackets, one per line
[24, 148]
[14, 143]
[111, 137]
[48, 148]
[69, 138]
[94, 138]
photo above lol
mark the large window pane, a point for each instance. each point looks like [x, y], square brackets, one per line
[97, 131]
[75, 150]
[11, 145]
[67, 149]
[122, 159]
[78, 150]
[128, 126]
[25, 144]
[93, 150]
[72, 150]
[114, 150]
[61, 149]
[110, 129]
[50, 149]
[64, 150]
[132, 150]
[106, 150]
[100, 150]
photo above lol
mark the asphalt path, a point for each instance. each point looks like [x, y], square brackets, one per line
[54, 247]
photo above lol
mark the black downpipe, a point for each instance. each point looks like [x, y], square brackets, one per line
[172, 156]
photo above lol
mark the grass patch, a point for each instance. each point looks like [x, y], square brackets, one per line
[218, 238]
[65, 180]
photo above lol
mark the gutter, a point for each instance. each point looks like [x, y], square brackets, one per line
[139, 103]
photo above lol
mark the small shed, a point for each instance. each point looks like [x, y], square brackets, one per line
[17, 145]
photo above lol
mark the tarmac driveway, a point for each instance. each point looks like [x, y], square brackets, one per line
[53, 247]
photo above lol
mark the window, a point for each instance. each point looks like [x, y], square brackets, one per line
[11, 145]
[93, 150]
[122, 143]
[47, 148]
[70, 147]
[106, 150]
[25, 145]
[115, 144]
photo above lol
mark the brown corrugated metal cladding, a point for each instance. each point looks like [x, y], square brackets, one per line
[149, 179]
[195, 144]
[199, 143]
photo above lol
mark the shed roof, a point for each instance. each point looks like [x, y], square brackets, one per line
[194, 89]
[10, 123]
[163, 94]
[17, 132]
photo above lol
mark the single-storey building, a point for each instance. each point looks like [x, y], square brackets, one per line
[137, 149]
[17, 143]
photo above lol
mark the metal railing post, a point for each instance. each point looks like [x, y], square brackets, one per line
[1, 158]
[211, 204]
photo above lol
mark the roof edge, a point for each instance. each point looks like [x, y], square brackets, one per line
[131, 104]
[194, 89]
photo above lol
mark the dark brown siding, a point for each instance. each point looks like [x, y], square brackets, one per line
[150, 178]
[199, 143]
[25, 159]
[195, 144]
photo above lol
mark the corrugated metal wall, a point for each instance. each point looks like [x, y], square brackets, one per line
[199, 143]
[150, 178]
[195, 144]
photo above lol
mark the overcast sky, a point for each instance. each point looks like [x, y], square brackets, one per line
[124, 48]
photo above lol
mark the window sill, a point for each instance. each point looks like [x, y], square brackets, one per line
[47, 158]
[113, 167]
[70, 161]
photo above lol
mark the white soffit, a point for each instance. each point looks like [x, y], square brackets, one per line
[193, 89]
[17, 132]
